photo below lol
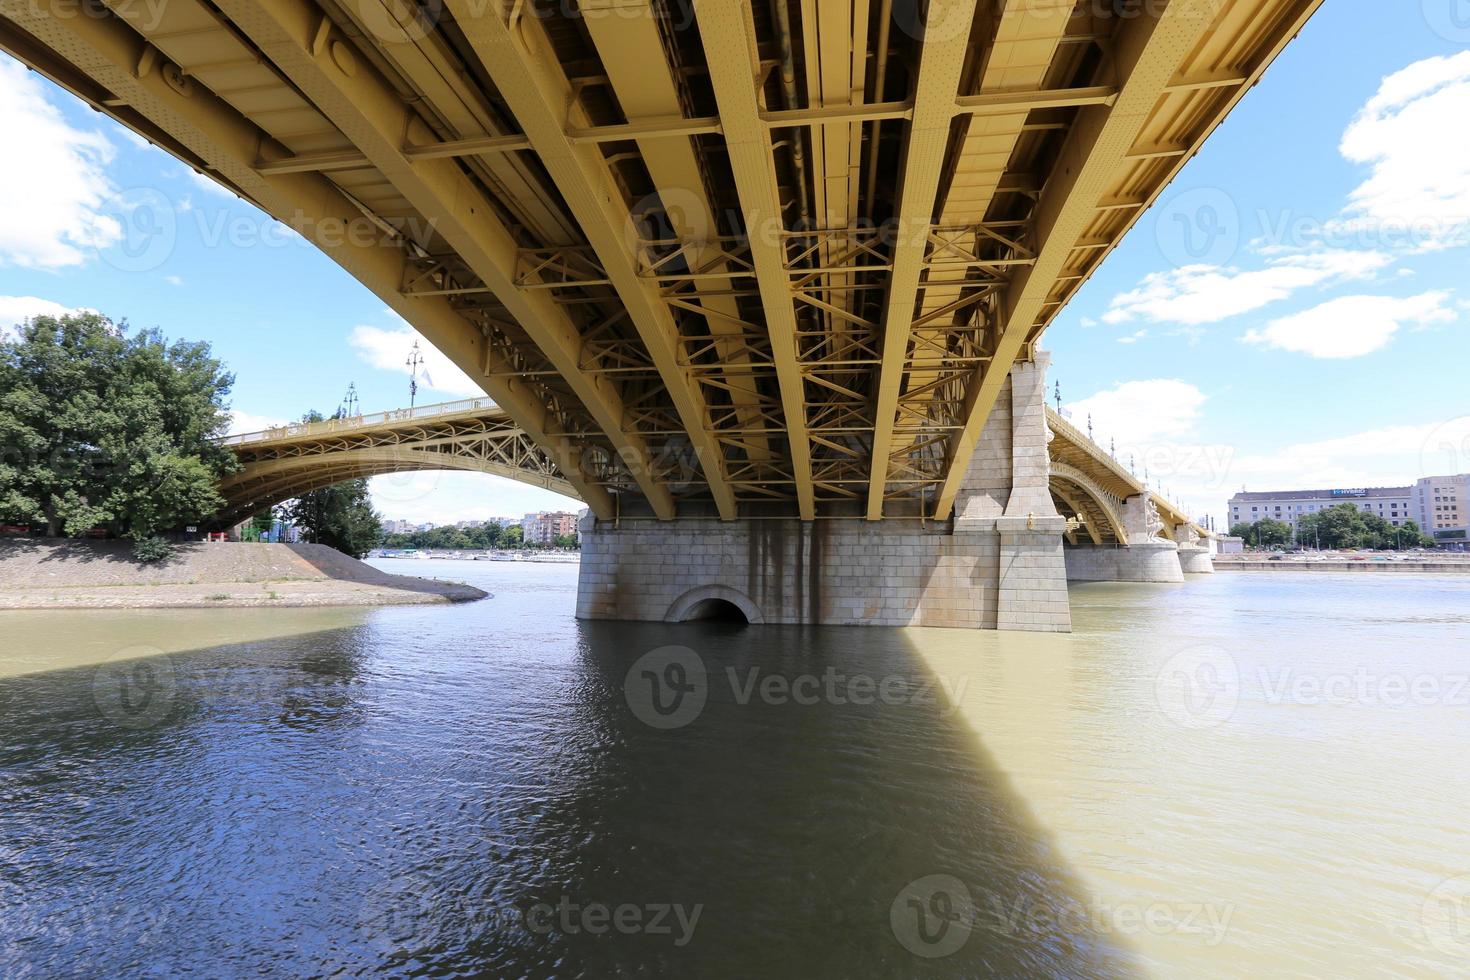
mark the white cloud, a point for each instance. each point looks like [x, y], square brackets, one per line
[1142, 411]
[1394, 455]
[16, 309]
[247, 422]
[388, 350]
[53, 184]
[445, 497]
[1134, 337]
[1351, 326]
[1412, 135]
[1196, 294]
[174, 280]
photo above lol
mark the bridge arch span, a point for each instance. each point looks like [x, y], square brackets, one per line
[1084, 496]
[269, 482]
[698, 601]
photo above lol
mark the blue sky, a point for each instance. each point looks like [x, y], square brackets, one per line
[1292, 313]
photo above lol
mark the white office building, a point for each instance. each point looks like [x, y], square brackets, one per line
[1394, 504]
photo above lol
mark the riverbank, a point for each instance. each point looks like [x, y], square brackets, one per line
[1428, 566]
[66, 574]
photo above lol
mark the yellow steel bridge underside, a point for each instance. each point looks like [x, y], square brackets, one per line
[475, 435]
[711, 256]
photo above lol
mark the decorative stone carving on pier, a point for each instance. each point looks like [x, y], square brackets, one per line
[1153, 523]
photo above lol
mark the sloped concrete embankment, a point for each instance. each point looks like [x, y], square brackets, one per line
[61, 574]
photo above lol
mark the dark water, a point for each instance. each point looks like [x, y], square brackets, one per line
[489, 790]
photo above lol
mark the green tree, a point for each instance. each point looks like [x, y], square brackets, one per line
[511, 537]
[566, 541]
[1271, 533]
[340, 515]
[1342, 526]
[100, 426]
[1414, 536]
[1241, 530]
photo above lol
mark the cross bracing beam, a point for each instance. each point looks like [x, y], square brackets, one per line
[727, 33]
[529, 77]
[104, 52]
[305, 44]
[1147, 55]
[941, 60]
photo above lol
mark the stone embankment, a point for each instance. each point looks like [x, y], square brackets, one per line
[1435, 566]
[54, 574]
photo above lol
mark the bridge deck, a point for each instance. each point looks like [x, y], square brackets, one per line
[728, 258]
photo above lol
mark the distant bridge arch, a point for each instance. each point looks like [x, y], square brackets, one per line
[1098, 509]
[470, 436]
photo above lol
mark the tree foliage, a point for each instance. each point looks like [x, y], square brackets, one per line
[1346, 526]
[100, 426]
[340, 515]
[1342, 526]
[476, 537]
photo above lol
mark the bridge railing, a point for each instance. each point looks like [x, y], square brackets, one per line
[328, 426]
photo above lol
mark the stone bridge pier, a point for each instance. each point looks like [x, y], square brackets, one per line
[1148, 557]
[997, 564]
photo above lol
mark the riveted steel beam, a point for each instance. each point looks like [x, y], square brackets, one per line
[528, 75]
[1147, 54]
[104, 52]
[940, 62]
[728, 35]
[348, 91]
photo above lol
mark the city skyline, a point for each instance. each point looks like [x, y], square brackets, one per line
[1272, 323]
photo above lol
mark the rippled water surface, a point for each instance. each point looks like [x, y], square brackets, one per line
[1251, 775]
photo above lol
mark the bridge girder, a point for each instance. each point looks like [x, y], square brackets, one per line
[924, 200]
[302, 41]
[1093, 169]
[110, 62]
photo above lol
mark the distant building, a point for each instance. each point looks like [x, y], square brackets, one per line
[1437, 507]
[1393, 504]
[546, 526]
[1433, 502]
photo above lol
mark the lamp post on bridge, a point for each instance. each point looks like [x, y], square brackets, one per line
[415, 359]
[349, 401]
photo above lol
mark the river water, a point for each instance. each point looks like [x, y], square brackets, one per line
[1249, 775]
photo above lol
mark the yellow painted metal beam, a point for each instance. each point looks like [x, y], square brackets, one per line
[349, 92]
[729, 44]
[941, 60]
[529, 77]
[1147, 52]
[103, 51]
[625, 34]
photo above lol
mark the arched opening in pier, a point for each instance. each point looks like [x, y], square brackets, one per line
[713, 603]
[715, 611]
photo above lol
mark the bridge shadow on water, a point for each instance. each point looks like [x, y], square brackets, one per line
[372, 801]
[809, 835]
